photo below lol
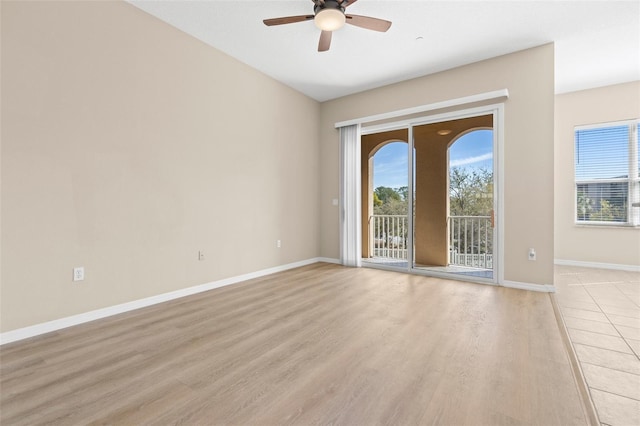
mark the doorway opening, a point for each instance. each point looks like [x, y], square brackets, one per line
[385, 204]
[450, 192]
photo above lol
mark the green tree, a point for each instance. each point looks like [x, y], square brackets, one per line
[392, 201]
[585, 208]
[610, 212]
[404, 192]
[377, 202]
[385, 194]
[392, 207]
[470, 192]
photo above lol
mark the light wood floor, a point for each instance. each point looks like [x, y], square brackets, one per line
[315, 345]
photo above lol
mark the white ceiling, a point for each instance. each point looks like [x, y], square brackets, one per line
[597, 42]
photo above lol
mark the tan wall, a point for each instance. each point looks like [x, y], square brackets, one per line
[528, 148]
[581, 243]
[431, 204]
[127, 146]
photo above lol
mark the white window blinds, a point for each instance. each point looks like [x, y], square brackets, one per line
[606, 174]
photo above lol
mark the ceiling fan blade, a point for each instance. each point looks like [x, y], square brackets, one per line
[348, 2]
[325, 41]
[369, 23]
[287, 20]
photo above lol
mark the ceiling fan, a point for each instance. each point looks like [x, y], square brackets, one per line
[329, 15]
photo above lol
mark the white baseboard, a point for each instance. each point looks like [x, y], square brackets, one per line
[545, 288]
[329, 260]
[47, 327]
[615, 266]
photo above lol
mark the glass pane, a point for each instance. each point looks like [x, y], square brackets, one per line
[388, 223]
[602, 201]
[602, 153]
[471, 200]
[453, 215]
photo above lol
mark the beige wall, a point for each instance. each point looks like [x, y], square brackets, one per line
[581, 243]
[528, 148]
[127, 146]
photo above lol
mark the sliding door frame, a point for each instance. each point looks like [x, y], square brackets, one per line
[497, 111]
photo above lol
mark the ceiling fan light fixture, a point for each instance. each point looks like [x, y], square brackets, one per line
[330, 19]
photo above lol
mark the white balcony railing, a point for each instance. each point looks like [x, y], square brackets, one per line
[470, 239]
[388, 236]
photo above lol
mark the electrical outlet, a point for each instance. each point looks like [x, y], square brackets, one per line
[278, 243]
[78, 273]
[200, 255]
[532, 254]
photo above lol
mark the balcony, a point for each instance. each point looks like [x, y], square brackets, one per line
[470, 240]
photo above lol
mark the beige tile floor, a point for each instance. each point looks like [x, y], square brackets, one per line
[601, 309]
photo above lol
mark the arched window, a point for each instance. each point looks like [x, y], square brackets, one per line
[390, 169]
[471, 174]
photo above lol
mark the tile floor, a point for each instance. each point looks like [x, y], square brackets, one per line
[601, 309]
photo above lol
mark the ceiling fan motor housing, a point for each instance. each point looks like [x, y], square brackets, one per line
[327, 4]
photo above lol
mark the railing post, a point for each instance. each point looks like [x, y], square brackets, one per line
[466, 246]
[473, 221]
[371, 240]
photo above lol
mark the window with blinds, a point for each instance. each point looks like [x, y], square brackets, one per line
[606, 174]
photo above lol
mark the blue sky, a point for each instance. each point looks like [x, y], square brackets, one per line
[473, 150]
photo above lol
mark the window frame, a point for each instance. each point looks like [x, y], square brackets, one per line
[632, 179]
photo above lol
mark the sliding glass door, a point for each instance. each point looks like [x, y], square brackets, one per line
[430, 196]
[454, 197]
